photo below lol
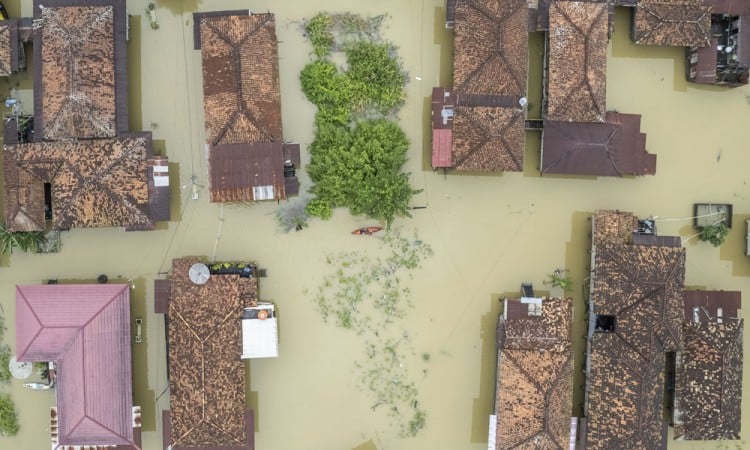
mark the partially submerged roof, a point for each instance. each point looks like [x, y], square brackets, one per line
[488, 139]
[534, 375]
[8, 47]
[613, 148]
[708, 393]
[247, 172]
[636, 316]
[94, 183]
[85, 330]
[80, 76]
[678, 23]
[577, 61]
[206, 374]
[490, 71]
[241, 97]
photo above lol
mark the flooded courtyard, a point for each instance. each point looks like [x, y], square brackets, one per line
[488, 233]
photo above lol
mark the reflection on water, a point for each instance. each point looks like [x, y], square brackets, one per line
[488, 233]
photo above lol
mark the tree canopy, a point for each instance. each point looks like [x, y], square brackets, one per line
[358, 152]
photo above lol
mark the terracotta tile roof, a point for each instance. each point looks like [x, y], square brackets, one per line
[625, 392]
[535, 378]
[235, 170]
[708, 394]
[679, 23]
[8, 47]
[612, 148]
[94, 183]
[640, 288]
[242, 102]
[85, 330]
[488, 139]
[206, 374]
[490, 47]
[490, 71]
[577, 61]
[616, 227]
[80, 86]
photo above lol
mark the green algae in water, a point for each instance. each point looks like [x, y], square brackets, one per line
[365, 295]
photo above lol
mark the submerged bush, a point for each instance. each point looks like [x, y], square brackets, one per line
[8, 416]
[5, 374]
[28, 241]
[714, 234]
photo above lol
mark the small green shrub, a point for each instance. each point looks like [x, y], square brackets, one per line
[319, 32]
[28, 241]
[714, 234]
[5, 374]
[8, 416]
[560, 278]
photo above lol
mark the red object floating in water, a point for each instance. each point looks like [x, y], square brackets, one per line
[367, 230]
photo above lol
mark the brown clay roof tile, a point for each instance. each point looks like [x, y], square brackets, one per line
[679, 23]
[577, 61]
[488, 139]
[207, 376]
[242, 102]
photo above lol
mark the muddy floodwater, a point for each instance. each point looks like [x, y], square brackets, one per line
[488, 233]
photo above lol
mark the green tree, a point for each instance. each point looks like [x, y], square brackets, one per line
[318, 30]
[8, 416]
[5, 374]
[377, 75]
[361, 170]
[715, 234]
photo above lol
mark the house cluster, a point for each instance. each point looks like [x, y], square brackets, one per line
[653, 350]
[74, 163]
[480, 123]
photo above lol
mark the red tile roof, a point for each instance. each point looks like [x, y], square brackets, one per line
[679, 23]
[85, 330]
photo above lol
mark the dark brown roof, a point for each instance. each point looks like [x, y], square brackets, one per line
[731, 7]
[616, 227]
[80, 79]
[235, 170]
[241, 101]
[94, 183]
[206, 374]
[708, 393]
[535, 377]
[678, 23]
[708, 303]
[625, 390]
[613, 148]
[577, 61]
[640, 287]
[488, 139]
[8, 47]
[490, 47]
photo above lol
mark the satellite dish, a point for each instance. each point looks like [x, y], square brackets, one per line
[199, 273]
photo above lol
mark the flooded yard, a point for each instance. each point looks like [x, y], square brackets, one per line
[488, 233]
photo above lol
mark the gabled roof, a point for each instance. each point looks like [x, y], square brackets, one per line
[94, 183]
[678, 23]
[80, 76]
[626, 389]
[206, 374]
[708, 393]
[85, 330]
[241, 97]
[235, 170]
[613, 148]
[577, 61]
[535, 376]
[488, 139]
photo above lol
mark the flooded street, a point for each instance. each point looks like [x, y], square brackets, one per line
[488, 233]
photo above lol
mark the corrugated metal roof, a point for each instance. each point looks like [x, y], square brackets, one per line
[85, 330]
[236, 170]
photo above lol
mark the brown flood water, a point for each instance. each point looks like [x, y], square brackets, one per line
[488, 233]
